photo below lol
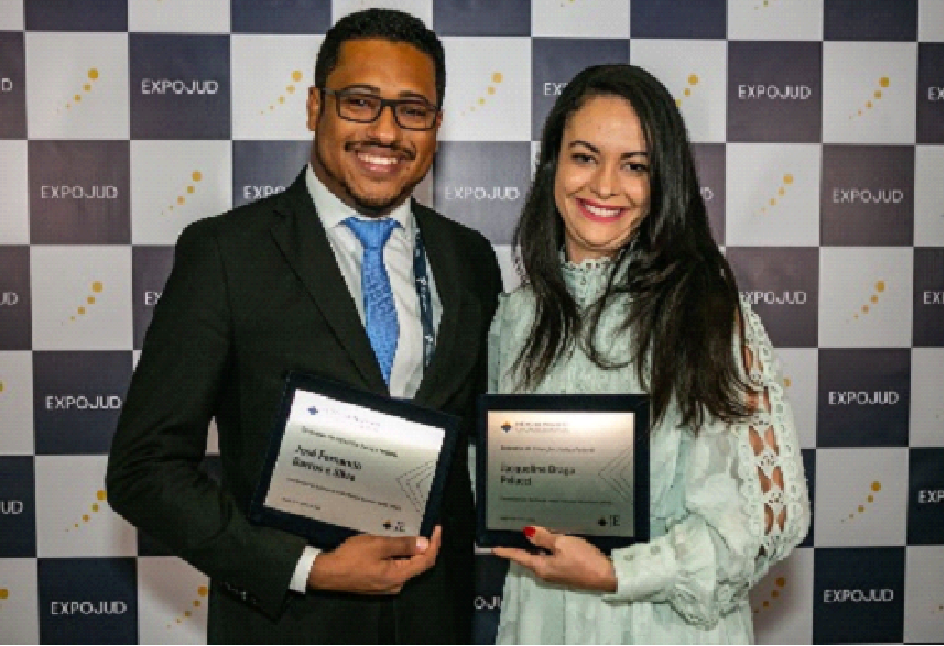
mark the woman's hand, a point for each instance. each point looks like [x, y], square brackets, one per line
[572, 561]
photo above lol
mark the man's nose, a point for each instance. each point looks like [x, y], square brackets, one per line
[385, 127]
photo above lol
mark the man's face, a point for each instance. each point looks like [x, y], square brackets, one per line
[373, 167]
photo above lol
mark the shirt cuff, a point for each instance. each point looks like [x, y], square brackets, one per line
[644, 572]
[299, 582]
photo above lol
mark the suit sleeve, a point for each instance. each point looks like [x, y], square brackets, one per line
[154, 479]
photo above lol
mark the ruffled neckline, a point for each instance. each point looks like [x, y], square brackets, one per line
[586, 280]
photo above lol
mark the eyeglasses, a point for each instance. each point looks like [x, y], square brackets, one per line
[410, 114]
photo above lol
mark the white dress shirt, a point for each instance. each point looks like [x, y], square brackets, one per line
[407, 371]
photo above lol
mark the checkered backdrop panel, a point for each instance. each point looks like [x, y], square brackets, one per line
[819, 135]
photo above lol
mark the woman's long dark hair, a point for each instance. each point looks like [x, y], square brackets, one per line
[684, 305]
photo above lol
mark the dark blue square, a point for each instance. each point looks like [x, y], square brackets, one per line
[77, 398]
[555, 61]
[858, 595]
[678, 19]
[76, 15]
[80, 192]
[263, 168]
[867, 196]
[17, 507]
[12, 85]
[930, 100]
[864, 397]
[88, 601]
[712, 171]
[180, 86]
[887, 20]
[490, 574]
[482, 17]
[926, 496]
[280, 16]
[16, 318]
[482, 184]
[150, 267]
[782, 284]
[775, 91]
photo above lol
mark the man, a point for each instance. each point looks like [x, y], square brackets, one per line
[280, 285]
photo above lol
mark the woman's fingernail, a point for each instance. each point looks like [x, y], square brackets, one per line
[529, 531]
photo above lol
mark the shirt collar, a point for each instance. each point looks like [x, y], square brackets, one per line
[333, 211]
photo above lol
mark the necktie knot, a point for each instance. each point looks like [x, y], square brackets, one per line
[373, 234]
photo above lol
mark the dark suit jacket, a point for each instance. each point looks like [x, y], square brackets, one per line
[253, 293]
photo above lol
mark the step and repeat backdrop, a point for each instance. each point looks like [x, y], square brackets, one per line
[819, 133]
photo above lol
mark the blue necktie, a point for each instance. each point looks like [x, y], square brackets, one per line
[383, 329]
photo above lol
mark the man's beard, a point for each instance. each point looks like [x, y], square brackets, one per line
[364, 204]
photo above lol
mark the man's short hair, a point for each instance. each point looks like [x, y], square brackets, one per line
[383, 24]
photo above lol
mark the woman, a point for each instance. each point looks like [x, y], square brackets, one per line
[626, 291]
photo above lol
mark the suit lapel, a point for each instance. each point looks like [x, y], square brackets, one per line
[301, 237]
[441, 378]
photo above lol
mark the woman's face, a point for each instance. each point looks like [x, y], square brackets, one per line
[602, 183]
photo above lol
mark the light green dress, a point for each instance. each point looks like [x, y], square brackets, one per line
[709, 493]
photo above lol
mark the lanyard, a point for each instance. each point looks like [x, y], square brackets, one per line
[421, 282]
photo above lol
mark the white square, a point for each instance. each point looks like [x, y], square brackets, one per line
[206, 16]
[782, 602]
[859, 497]
[865, 298]
[16, 403]
[174, 183]
[694, 72]
[92, 67]
[11, 17]
[931, 20]
[488, 96]
[800, 378]
[776, 20]
[425, 191]
[929, 196]
[772, 195]
[422, 9]
[927, 405]
[14, 223]
[506, 263]
[271, 77]
[73, 517]
[81, 298]
[172, 602]
[924, 594]
[19, 601]
[869, 92]
[597, 19]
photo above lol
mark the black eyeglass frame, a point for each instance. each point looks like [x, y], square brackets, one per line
[393, 103]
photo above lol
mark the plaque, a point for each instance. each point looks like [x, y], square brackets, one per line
[343, 462]
[576, 464]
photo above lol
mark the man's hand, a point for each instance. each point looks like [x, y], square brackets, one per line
[374, 564]
[572, 561]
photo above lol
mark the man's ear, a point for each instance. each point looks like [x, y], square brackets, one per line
[313, 107]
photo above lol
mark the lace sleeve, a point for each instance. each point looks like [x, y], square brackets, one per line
[770, 462]
[745, 503]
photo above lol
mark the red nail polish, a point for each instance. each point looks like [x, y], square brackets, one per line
[529, 531]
